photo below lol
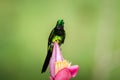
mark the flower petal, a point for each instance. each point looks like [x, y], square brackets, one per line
[74, 70]
[56, 56]
[50, 78]
[59, 56]
[63, 74]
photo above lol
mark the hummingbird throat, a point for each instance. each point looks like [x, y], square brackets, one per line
[56, 39]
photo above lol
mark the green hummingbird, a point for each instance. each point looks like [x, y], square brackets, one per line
[56, 35]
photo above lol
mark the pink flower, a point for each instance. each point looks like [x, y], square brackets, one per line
[61, 69]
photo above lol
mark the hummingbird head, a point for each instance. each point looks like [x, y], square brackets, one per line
[60, 24]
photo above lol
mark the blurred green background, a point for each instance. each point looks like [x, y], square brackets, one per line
[92, 37]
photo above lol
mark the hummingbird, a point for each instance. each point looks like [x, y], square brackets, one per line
[56, 35]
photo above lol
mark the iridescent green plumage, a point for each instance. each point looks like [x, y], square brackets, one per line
[56, 35]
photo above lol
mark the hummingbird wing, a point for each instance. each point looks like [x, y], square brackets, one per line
[49, 52]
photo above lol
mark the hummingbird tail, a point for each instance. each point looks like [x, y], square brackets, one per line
[47, 60]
